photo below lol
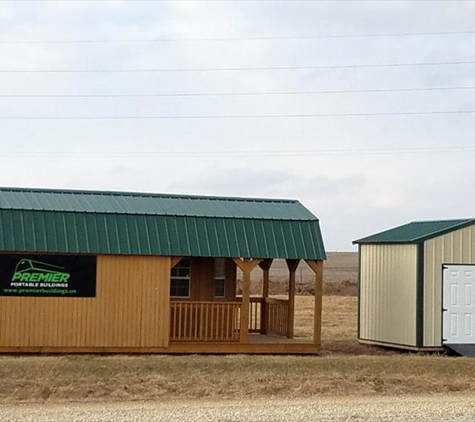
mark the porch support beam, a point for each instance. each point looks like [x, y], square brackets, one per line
[265, 266]
[246, 265]
[175, 261]
[292, 265]
[317, 267]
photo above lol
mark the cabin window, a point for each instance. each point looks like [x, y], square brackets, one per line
[180, 279]
[219, 278]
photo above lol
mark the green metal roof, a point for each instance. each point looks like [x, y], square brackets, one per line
[416, 231]
[58, 221]
[151, 204]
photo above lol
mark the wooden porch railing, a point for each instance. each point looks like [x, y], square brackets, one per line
[269, 316]
[255, 314]
[205, 321]
[278, 316]
[220, 321]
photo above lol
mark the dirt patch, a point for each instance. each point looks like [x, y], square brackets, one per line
[334, 409]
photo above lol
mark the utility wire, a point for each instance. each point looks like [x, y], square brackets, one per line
[240, 69]
[237, 116]
[232, 1]
[239, 39]
[238, 94]
[240, 153]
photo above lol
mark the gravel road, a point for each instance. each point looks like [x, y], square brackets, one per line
[433, 408]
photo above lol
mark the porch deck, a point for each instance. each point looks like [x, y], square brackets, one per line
[258, 343]
[273, 339]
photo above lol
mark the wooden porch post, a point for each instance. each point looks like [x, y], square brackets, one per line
[246, 293]
[317, 267]
[292, 264]
[265, 266]
[246, 265]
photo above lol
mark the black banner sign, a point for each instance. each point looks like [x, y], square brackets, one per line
[47, 275]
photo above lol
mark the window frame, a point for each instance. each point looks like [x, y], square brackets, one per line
[220, 276]
[181, 278]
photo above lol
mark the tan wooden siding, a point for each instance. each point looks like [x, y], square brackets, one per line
[131, 310]
[388, 293]
[457, 247]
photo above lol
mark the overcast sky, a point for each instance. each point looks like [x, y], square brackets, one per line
[428, 172]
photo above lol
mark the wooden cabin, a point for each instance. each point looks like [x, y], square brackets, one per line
[113, 272]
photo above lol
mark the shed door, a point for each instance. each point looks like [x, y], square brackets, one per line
[458, 304]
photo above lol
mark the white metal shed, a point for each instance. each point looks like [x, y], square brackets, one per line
[417, 286]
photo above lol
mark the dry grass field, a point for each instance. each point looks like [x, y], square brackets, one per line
[339, 325]
[344, 368]
[340, 276]
[118, 378]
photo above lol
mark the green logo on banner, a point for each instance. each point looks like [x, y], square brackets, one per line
[29, 270]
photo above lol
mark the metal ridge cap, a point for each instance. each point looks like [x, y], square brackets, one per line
[148, 195]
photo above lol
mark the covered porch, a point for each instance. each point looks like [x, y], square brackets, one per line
[246, 324]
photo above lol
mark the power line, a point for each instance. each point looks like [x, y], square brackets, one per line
[231, 1]
[238, 94]
[240, 153]
[237, 116]
[239, 69]
[239, 39]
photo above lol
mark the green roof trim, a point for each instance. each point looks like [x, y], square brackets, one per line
[416, 231]
[85, 222]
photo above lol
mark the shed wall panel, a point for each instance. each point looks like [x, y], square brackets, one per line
[388, 293]
[131, 309]
[453, 248]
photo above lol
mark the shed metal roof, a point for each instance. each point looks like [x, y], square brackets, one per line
[416, 231]
[148, 224]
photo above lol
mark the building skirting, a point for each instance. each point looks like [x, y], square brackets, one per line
[401, 346]
[177, 348]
